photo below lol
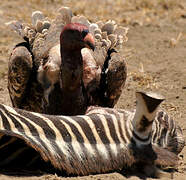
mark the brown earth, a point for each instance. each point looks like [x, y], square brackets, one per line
[155, 54]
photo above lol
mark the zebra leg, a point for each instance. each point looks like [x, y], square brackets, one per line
[20, 67]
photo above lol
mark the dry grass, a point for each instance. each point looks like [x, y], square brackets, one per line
[120, 10]
[144, 80]
[174, 41]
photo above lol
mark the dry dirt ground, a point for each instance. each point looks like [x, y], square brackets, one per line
[155, 54]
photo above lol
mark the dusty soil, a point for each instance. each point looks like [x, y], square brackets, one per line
[155, 54]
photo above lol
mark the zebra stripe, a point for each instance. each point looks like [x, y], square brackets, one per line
[124, 129]
[107, 130]
[95, 131]
[59, 139]
[31, 138]
[63, 147]
[86, 142]
[97, 142]
[36, 130]
[75, 142]
[116, 121]
[166, 133]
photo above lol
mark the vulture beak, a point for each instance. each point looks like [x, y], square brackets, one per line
[89, 41]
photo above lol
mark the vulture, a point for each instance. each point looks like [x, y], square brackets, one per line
[67, 64]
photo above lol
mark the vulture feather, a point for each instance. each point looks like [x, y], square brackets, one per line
[66, 65]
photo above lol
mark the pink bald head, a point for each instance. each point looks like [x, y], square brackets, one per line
[76, 36]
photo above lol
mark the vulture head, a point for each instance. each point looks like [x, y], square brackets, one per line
[74, 37]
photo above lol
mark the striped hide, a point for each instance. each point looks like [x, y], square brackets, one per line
[82, 145]
[166, 132]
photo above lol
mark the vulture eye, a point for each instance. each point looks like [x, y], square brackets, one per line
[85, 32]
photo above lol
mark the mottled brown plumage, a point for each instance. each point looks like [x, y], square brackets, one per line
[101, 73]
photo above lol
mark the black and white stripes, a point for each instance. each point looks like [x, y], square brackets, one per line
[166, 133]
[98, 142]
[77, 144]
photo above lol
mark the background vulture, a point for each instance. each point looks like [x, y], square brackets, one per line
[59, 70]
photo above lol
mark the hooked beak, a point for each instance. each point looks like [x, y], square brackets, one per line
[89, 41]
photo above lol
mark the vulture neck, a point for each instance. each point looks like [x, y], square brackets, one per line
[71, 70]
[73, 97]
